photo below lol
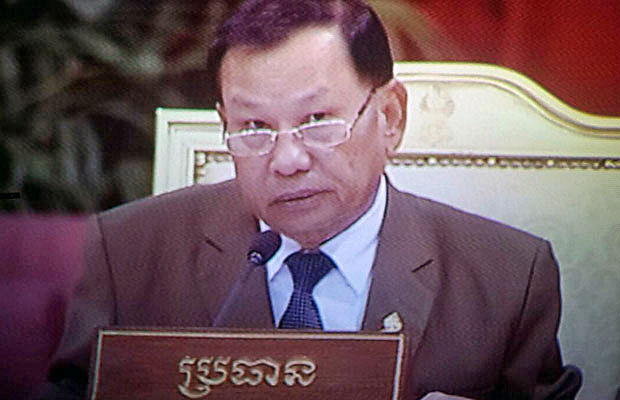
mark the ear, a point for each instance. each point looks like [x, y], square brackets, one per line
[394, 114]
[221, 112]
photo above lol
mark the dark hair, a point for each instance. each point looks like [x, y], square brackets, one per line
[266, 23]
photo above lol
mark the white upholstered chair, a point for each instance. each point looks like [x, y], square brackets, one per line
[490, 141]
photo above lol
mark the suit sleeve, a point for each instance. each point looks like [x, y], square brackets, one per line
[92, 306]
[533, 366]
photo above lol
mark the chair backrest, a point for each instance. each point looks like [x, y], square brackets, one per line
[490, 141]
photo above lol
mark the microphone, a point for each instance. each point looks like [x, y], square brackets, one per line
[262, 248]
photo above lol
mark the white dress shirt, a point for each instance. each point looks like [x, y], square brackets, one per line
[342, 294]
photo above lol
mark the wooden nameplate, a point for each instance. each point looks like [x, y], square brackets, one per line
[218, 364]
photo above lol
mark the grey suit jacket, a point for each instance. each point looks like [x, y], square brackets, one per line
[479, 301]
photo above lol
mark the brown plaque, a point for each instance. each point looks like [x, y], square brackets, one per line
[216, 364]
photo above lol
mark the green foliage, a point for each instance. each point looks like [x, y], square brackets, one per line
[78, 92]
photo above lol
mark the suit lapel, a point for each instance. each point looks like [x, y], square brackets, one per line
[247, 304]
[405, 274]
[239, 297]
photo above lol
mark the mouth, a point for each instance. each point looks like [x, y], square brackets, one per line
[296, 196]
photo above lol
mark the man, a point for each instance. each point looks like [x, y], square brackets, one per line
[311, 113]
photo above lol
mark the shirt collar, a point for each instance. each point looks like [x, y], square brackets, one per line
[344, 248]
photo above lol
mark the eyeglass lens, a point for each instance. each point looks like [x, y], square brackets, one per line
[261, 142]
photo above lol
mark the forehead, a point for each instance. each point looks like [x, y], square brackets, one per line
[312, 60]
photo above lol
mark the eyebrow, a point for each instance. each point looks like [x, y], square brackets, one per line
[240, 101]
[312, 94]
[304, 97]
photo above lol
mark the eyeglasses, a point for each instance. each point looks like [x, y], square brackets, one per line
[318, 134]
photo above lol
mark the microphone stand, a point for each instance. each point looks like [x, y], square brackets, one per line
[262, 249]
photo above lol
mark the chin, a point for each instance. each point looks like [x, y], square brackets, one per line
[313, 228]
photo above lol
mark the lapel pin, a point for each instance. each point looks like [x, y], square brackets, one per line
[392, 323]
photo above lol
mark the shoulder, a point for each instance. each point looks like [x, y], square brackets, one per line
[183, 205]
[484, 260]
[178, 200]
[171, 229]
[467, 247]
[461, 228]
[181, 217]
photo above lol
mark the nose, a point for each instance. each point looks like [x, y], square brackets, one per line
[289, 155]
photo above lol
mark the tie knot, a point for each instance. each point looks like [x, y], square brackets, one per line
[308, 269]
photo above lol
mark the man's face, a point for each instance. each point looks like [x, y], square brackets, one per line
[306, 193]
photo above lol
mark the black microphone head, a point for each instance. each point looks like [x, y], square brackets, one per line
[263, 247]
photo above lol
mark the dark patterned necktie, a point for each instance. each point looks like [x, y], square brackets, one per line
[307, 268]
